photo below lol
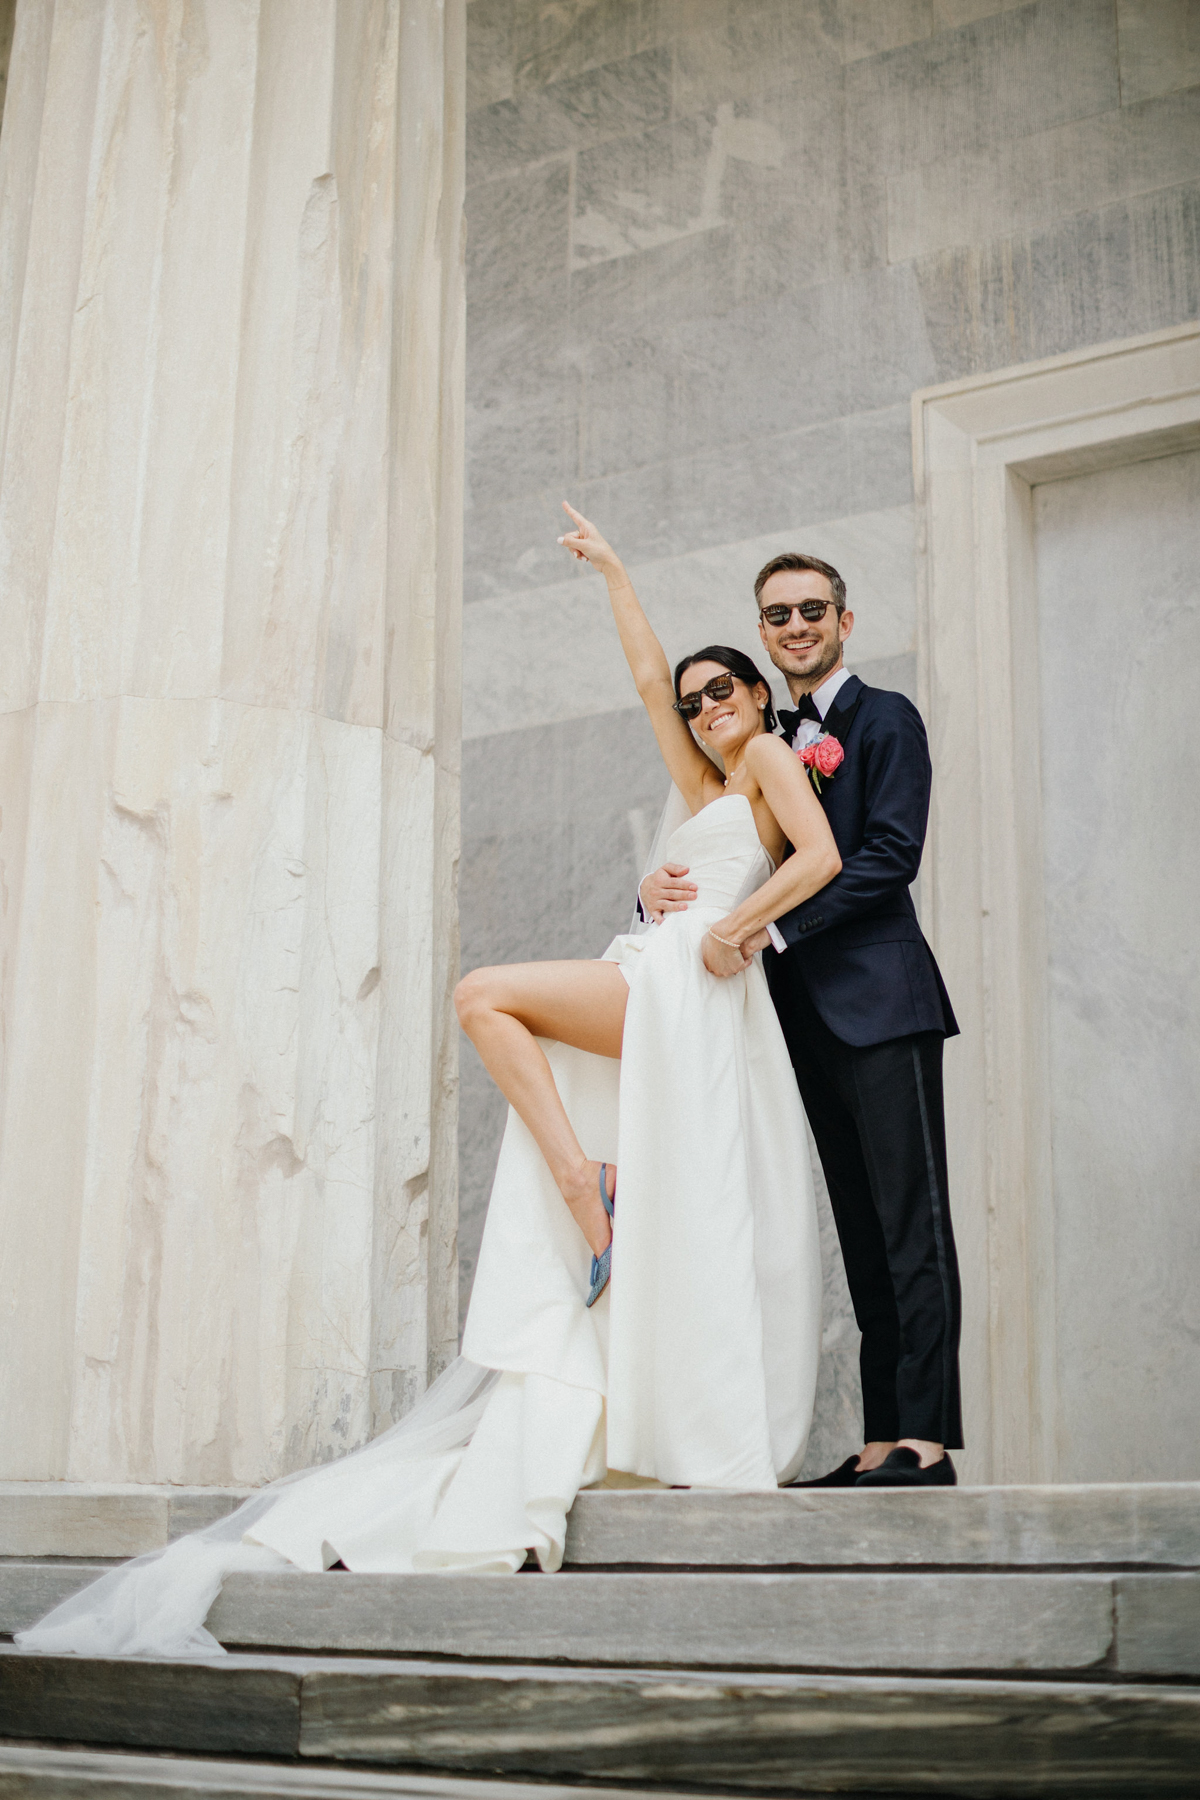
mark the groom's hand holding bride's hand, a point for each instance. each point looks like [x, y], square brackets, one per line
[728, 958]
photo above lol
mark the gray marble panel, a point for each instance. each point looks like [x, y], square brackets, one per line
[523, 438]
[778, 169]
[872, 27]
[1127, 269]
[511, 542]
[611, 101]
[822, 214]
[221, 1706]
[1159, 47]
[948, 15]
[1022, 186]
[636, 192]
[552, 42]
[517, 232]
[868, 29]
[759, 371]
[689, 278]
[490, 63]
[742, 489]
[1003, 77]
[745, 48]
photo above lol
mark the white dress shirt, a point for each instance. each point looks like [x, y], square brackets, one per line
[807, 732]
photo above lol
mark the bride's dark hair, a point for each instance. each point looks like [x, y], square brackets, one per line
[738, 664]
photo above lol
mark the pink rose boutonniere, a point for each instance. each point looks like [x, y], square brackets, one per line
[822, 758]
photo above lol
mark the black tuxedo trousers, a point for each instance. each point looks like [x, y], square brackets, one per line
[877, 1115]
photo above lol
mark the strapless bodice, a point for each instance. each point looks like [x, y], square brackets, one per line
[723, 852]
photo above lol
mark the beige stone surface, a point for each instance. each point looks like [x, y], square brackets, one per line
[230, 367]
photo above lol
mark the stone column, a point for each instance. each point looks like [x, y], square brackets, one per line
[230, 501]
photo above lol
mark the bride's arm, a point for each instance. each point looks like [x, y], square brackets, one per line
[692, 772]
[786, 788]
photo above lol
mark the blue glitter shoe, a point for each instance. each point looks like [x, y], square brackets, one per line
[602, 1265]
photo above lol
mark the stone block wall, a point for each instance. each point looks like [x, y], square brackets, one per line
[714, 246]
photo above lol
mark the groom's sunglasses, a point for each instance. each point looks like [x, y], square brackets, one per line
[719, 688]
[812, 610]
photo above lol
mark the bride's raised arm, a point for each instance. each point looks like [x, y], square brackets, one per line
[693, 773]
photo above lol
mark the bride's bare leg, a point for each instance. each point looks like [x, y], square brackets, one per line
[503, 1012]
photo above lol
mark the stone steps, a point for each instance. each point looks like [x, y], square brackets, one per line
[1119, 1525]
[36, 1770]
[965, 1641]
[87, 1519]
[1128, 1626]
[722, 1730]
[1108, 1526]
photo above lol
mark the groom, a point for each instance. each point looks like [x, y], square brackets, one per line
[865, 1013]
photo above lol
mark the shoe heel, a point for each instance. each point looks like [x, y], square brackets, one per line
[601, 1265]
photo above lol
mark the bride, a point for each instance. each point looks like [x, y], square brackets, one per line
[646, 1307]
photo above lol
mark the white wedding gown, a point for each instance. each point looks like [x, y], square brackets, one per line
[697, 1366]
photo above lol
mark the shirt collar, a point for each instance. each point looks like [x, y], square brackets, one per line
[824, 696]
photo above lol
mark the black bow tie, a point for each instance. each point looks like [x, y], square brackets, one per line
[790, 721]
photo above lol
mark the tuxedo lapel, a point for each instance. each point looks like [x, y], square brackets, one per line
[840, 716]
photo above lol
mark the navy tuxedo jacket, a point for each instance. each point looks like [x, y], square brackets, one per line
[857, 944]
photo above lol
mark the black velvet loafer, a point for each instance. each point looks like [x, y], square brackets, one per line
[902, 1468]
[846, 1476]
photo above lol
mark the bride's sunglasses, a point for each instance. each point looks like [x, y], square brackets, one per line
[719, 688]
[812, 610]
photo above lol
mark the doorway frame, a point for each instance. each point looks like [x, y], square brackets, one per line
[980, 446]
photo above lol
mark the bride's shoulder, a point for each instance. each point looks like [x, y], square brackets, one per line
[766, 753]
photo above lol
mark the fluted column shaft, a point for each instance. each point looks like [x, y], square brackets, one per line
[230, 501]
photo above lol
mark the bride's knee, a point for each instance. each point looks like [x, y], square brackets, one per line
[472, 997]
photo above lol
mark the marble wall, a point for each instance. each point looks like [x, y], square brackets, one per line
[230, 516]
[714, 246]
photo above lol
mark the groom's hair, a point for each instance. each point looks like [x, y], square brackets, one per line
[792, 559]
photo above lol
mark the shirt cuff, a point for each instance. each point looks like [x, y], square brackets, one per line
[777, 938]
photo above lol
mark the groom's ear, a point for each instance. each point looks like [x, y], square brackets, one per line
[845, 625]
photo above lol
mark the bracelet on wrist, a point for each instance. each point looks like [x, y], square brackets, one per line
[728, 942]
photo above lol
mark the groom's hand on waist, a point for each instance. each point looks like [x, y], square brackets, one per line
[666, 891]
